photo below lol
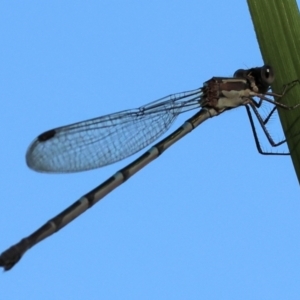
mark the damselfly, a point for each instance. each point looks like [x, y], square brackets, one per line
[107, 139]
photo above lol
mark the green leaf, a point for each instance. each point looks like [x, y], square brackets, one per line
[277, 27]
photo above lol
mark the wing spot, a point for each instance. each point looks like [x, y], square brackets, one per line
[46, 135]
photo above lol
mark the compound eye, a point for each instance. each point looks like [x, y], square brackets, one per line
[267, 74]
[240, 73]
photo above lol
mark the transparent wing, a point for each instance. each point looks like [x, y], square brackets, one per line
[101, 141]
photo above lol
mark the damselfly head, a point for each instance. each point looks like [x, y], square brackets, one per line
[263, 76]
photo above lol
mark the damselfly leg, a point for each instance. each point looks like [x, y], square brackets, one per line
[267, 73]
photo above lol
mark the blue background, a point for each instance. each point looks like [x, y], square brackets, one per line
[209, 219]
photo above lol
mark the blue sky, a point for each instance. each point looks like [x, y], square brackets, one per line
[209, 219]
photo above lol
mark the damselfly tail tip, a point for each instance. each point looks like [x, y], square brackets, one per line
[9, 258]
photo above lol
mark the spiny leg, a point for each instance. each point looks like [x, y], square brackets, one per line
[266, 132]
[263, 122]
[286, 88]
[257, 143]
